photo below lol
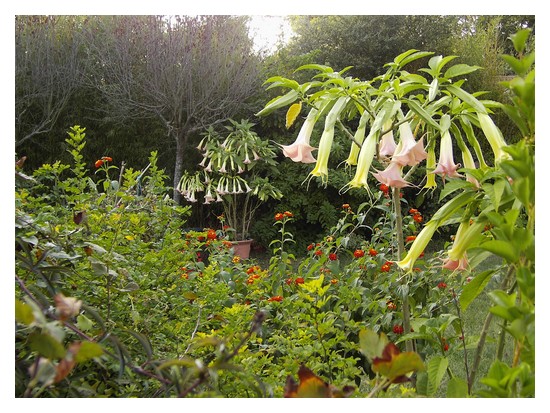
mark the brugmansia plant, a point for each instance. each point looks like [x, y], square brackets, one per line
[431, 114]
[231, 174]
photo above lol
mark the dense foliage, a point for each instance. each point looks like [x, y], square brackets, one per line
[119, 294]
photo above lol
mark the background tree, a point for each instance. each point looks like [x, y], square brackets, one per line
[48, 68]
[188, 72]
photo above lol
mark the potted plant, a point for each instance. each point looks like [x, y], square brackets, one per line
[232, 175]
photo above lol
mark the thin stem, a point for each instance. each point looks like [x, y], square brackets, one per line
[484, 332]
[400, 247]
[455, 301]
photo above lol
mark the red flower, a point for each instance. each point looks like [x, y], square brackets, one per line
[373, 252]
[288, 214]
[279, 216]
[385, 268]
[333, 281]
[445, 347]
[417, 218]
[98, 163]
[413, 211]
[398, 329]
[384, 188]
[107, 159]
[345, 206]
[310, 247]
[358, 253]
[211, 234]
[391, 305]
[277, 298]
[288, 281]
[421, 254]
[410, 238]
[442, 285]
[332, 256]
[319, 253]
[299, 280]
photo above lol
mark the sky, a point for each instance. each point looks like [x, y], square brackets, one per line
[268, 31]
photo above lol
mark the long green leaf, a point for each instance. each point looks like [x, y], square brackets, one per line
[436, 370]
[502, 249]
[416, 108]
[474, 288]
[468, 98]
[460, 69]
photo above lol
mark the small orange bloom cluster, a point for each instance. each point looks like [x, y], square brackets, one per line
[332, 256]
[373, 252]
[417, 216]
[386, 189]
[358, 253]
[280, 215]
[299, 280]
[253, 274]
[347, 208]
[410, 238]
[277, 298]
[391, 305]
[101, 161]
[398, 329]
[386, 266]
[333, 281]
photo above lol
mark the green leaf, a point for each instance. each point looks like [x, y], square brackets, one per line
[436, 370]
[460, 69]
[23, 313]
[502, 249]
[457, 388]
[452, 186]
[474, 288]
[411, 57]
[46, 345]
[371, 344]
[468, 98]
[416, 108]
[519, 39]
[279, 102]
[88, 350]
[144, 341]
[84, 323]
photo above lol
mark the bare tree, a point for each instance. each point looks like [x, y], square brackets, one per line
[47, 71]
[190, 72]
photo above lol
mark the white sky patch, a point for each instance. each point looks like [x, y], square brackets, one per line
[269, 31]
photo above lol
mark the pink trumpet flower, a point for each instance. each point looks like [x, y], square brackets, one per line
[470, 164]
[446, 165]
[408, 151]
[387, 143]
[464, 238]
[300, 150]
[392, 176]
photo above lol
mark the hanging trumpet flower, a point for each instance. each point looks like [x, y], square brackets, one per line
[300, 150]
[229, 175]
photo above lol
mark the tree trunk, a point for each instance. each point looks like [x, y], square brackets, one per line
[181, 143]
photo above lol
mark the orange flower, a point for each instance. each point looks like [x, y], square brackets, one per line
[332, 256]
[98, 163]
[107, 159]
[358, 253]
[417, 218]
[345, 206]
[373, 252]
[310, 247]
[385, 268]
[333, 281]
[384, 188]
[413, 211]
[299, 280]
[211, 234]
[410, 238]
[277, 298]
[319, 253]
[279, 216]
[288, 214]
[391, 305]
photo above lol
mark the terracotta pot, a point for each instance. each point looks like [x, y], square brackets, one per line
[242, 248]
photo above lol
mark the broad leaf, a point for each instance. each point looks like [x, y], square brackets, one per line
[437, 366]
